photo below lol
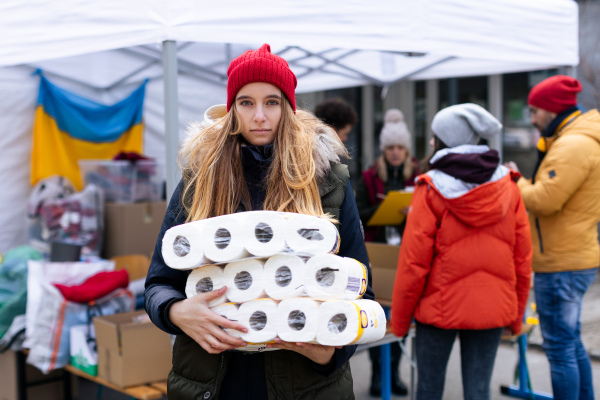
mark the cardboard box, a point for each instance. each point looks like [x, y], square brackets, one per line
[132, 228]
[383, 260]
[83, 349]
[131, 350]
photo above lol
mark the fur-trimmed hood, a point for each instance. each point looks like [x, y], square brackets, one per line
[327, 148]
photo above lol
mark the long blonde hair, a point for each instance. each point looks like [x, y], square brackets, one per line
[213, 174]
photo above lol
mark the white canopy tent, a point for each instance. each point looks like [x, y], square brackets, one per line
[103, 49]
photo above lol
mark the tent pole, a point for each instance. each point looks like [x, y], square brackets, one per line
[368, 134]
[405, 97]
[432, 101]
[495, 98]
[171, 114]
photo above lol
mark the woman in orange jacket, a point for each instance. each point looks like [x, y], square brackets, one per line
[465, 262]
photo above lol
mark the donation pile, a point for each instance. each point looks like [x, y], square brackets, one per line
[282, 275]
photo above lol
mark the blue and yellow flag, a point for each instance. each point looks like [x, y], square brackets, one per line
[69, 128]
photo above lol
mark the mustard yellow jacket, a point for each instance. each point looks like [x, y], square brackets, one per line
[564, 201]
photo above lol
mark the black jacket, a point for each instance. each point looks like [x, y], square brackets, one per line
[165, 285]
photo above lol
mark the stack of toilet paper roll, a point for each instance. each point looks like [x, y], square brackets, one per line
[252, 234]
[282, 275]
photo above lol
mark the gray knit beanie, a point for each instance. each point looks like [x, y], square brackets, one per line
[464, 124]
[394, 130]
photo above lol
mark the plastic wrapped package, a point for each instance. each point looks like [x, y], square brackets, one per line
[279, 270]
[350, 322]
[284, 276]
[329, 277]
[76, 219]
[260, 317]
[206, 279]
[251, 234]
[323, 277]
[297, 319]
[50, 336]
[124, 181]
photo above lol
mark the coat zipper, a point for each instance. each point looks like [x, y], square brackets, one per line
[539, 231]
[220, 375]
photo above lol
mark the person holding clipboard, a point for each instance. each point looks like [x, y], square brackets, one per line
[394, 170]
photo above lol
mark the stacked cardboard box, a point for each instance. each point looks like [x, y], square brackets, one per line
[131, 350]
[383, 260]
[132, 228]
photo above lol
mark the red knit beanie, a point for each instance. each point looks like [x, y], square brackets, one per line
[260, 66]
[555, 94]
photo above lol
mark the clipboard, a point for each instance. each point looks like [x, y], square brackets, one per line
[388, 212]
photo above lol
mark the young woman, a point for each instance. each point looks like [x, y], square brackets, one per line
[394, 170]
[465, 262]
[256, 152]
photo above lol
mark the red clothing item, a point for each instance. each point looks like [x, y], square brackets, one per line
[95, 287]
[465, 262]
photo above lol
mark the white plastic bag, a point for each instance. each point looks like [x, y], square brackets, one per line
[51, 338]
[66, 273]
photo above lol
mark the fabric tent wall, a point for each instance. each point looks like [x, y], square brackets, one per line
[333, 44]
[18, 101]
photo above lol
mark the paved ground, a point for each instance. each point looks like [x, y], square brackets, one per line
[506, 360]
[504, 368]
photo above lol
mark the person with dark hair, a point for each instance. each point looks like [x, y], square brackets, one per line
[562, 200]
[257, 152]
[465, 262]
[337, 114]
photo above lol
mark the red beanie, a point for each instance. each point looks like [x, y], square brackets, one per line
[555, 94]
[260, 66]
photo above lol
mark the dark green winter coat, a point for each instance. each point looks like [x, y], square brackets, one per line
[197, 374]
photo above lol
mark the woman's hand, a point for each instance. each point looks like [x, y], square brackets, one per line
[315, 352]
[204, 325]
[404, 210]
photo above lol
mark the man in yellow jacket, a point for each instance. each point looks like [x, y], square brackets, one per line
[563, 200]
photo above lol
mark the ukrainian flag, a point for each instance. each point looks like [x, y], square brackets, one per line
[69, 128]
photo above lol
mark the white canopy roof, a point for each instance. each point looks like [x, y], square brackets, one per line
[101, 49]
[384, 40]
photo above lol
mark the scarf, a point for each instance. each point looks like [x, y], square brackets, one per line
[551, 133]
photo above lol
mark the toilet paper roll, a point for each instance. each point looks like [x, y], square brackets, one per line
[297, 319]
[245, 280]
[229, 311]
[260, 317]
[310, 235]
[182, 246]
[284, 277]
[350, 322]
[223, 238]
[330, 277]
[264, 233]
[206, 279]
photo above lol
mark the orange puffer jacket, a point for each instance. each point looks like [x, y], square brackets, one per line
[465, 261]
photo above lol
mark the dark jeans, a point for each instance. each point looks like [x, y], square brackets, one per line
[477, 351]
[559, 296]
[396, 354]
